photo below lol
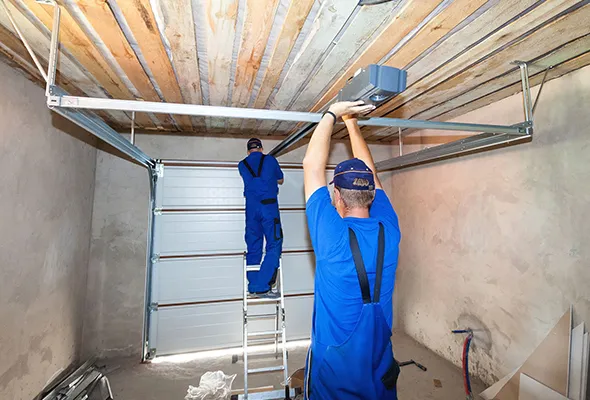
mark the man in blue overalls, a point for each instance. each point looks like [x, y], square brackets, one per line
[262, 174]
[356, 240]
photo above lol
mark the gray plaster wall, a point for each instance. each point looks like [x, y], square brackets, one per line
[498, 241]
[46, 192]
[116, 277]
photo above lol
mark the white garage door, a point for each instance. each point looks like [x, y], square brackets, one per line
[196, 280]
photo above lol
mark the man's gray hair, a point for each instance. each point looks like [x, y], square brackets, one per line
[357, 198]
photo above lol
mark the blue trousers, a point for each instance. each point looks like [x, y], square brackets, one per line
[263, 221]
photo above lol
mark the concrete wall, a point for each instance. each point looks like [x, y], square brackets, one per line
[46, 192]
[498, 241]
[117, 266]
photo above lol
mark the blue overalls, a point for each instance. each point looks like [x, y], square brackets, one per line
[262, 221]
[362, 367]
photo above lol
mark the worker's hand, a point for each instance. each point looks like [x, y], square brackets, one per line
[350, 108]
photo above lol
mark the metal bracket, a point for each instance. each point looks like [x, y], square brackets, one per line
[155, 258]
[160, 170]
[153, 307]
[151, 354]
[157, 211]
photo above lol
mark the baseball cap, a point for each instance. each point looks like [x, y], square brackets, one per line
[254, 143]
[353, 174]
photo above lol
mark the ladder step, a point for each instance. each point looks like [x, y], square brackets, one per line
[258, 300]
[265, 333]
[261, 316]
[266, 369]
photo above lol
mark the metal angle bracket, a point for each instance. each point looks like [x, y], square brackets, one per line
[151, 354]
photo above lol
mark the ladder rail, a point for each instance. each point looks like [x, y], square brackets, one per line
[273, 335]
[245, 323]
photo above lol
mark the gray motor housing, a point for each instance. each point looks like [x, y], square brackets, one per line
[374, 84]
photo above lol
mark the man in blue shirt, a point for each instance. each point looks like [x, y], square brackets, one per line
[355, 238]
[262, 174]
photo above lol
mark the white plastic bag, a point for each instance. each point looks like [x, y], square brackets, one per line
[212, 386]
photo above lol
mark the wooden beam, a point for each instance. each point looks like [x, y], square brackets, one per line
[294, 20]
[180, 32]
[70, 75]
[331, 18]
[140, 18]
[405, 19]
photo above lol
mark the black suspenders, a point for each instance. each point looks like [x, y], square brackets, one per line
[360, 266]
[259, 167]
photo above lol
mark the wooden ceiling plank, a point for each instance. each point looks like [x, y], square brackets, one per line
[69, 74]
[330, 20]
[140, 18]
[406, 19]
[100, 16]
[85, 52]
[294, 20]
[557, 71]
[477, 55]
[180, 32]
[434, 30]
[552, 36]
[257, 24]
[555, 57]
[221, 30]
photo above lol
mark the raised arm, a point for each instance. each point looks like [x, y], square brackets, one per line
[360, 149]
[318, 149]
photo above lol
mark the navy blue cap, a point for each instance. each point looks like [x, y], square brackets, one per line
[353, 174]
[254, 143]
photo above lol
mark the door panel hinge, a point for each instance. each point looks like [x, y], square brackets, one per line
[155, 258]
[153, 307]
[157, 211]
[160, 170]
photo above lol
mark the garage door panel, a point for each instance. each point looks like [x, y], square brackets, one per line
[218, 233]
[201, 187]
[219, 188]
[220, 278]
[215, 326]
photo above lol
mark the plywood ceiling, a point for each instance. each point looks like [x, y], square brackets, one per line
[297, 54]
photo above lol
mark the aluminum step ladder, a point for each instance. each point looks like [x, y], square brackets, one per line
[252, 302]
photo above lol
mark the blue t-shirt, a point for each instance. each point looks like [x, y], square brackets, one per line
[265, 186]
[338, 300]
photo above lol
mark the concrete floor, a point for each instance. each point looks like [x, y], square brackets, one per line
[170, 381]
